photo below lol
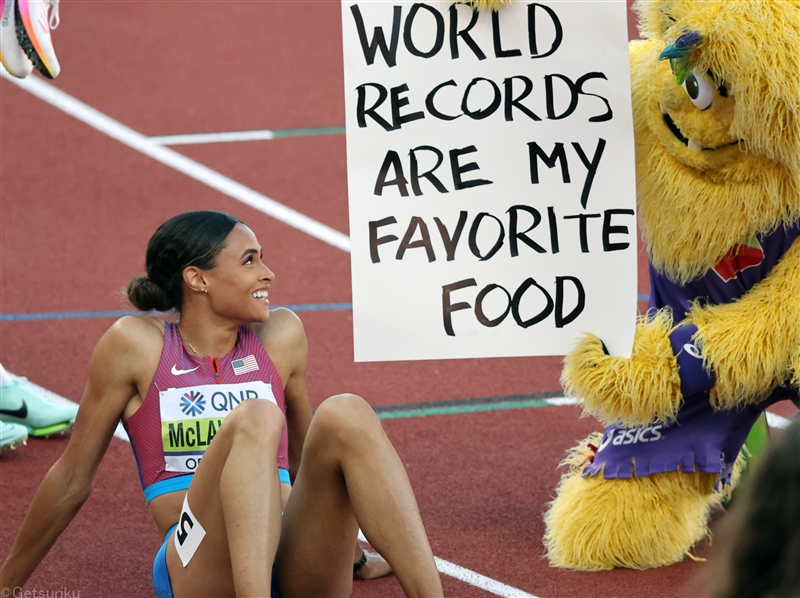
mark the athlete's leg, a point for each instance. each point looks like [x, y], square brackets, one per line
[235, 496]
[349, 475]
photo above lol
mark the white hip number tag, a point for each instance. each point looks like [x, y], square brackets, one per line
[188, 534]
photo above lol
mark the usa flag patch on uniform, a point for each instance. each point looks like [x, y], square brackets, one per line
[242, 366]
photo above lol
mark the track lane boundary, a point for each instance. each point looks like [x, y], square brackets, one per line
[234, 136]
[203, 174]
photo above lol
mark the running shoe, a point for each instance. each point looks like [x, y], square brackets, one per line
[11, 53]
[33, 33]
[19, 404]
[12, 435]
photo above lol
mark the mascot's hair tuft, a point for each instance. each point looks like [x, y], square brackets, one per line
[485, 4]
[679, 55]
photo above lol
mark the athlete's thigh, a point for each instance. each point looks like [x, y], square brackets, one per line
[315, 554]
[209, 572]
[210, 564]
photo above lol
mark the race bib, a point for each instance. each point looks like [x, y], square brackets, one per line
[188, 534]
[191, 417]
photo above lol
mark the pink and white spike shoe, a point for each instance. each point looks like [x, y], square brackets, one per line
[34, 37]
[11, 53]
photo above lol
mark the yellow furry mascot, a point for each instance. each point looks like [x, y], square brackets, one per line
[716, 101]
[716, 104]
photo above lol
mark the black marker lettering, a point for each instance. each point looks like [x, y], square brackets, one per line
[416, 223]
[375, 241]
[408, 40]
[609, 230]
[448, 308]
[378, 40]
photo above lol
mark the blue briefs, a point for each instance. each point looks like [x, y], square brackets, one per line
[161, 582]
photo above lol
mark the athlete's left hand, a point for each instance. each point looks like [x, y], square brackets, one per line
[376, 566]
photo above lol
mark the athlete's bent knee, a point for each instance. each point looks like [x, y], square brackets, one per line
[347, 407]
[347, 417]
[261, 419]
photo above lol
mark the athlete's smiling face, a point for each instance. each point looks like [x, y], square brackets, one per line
[238, 286]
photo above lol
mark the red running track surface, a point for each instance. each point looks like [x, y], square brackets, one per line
[78, 208]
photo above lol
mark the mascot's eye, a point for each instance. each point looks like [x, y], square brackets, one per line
[700, 89]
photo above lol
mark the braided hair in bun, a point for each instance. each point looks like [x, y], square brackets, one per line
[188, 239]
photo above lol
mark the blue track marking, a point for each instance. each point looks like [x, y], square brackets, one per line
[538, 399]
[68, 315]
[71, 315]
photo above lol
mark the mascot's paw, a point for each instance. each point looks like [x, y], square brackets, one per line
[638, 390]
[596, 524]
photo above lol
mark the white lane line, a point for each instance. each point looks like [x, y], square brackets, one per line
[563, 401]
[479, 581]
[192, 138]
[777, 421]
[133, 139]
[472, 578]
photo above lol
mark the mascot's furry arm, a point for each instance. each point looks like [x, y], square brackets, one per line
[753, 344]
[749, 347]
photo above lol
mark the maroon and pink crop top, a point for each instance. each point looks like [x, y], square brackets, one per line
[187, 402]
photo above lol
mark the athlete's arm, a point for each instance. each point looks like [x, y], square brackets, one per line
[286, 343]
[115, 368]
[285, 340]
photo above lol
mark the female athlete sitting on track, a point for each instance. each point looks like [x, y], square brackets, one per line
[173, 384]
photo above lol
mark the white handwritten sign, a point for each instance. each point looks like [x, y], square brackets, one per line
[491, 178]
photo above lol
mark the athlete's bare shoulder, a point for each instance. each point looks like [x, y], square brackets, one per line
[284, 338]
[137, 329]
[282, 327]
[133, 337]
[123, 363]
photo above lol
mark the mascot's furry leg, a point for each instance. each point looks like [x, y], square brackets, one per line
[596, 524]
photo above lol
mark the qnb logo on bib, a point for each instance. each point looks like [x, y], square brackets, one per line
[192, 416]
[193, 403]
[623, 436]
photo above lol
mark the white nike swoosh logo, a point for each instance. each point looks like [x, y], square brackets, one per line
[177, 372]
